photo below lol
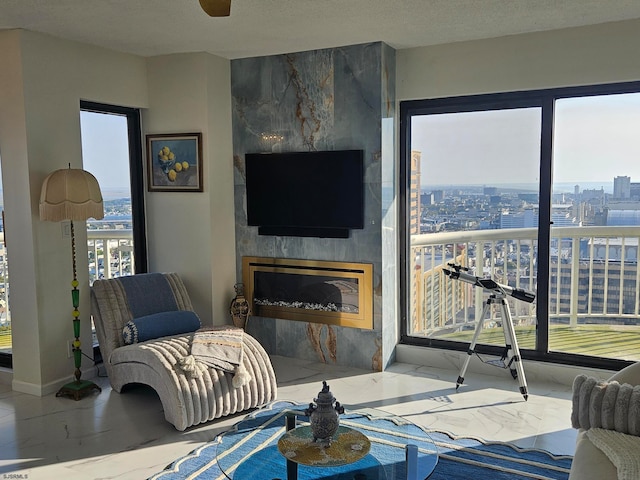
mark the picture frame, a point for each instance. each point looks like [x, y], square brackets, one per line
[174, 162]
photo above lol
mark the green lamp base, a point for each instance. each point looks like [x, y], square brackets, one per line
[78, 389]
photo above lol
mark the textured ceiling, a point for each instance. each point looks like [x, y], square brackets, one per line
[265, 27]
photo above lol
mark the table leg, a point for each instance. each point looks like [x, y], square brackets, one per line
[411, 452]
[292, 467]
[292, 470]
[290, 421]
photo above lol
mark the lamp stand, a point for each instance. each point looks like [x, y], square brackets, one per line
[77, 388]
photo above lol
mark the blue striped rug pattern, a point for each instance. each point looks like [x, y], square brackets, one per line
[459, 458]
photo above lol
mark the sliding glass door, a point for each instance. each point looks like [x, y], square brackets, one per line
[536, 190]
[594, 306]
[477, 171]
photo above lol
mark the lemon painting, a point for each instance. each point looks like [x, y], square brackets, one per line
[174, 162]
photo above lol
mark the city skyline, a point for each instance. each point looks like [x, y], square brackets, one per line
[558, 187]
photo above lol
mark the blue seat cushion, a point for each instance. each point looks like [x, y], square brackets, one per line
[159, 325]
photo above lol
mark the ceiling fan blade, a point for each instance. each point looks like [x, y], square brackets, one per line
[216, 8]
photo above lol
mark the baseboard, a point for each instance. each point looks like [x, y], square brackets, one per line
[51, 387]
[28, 388]
[453, 360]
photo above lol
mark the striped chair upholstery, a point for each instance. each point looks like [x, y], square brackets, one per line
[186, 400]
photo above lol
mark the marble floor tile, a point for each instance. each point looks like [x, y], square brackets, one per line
[124, 436]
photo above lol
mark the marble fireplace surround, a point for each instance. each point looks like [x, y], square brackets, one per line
[315, 291]
[329, 99]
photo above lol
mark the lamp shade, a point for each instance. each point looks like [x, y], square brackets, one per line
[70, 194]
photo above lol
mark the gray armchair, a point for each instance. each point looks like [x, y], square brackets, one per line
[607, 415]
[155, 358]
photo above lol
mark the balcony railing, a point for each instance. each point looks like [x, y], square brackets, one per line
[593, 281]
[110, 253]
[5, 316]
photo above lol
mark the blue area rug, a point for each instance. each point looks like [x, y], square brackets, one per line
[458, 457]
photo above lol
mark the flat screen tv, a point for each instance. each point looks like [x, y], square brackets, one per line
[305, 194]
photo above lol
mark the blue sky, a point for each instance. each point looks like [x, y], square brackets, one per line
[105, 149]
[596, 139]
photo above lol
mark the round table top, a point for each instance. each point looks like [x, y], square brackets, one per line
[347, 446]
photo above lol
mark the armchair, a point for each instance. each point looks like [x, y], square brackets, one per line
[607, 416]
[163, 342]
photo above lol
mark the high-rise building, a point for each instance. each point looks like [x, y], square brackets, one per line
[626, 217]
[561, 216]
[414, 195]
[621, 188]
[525, 219]
[426, 199]
[593, 197]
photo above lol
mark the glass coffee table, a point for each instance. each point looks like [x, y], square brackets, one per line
[275, 444]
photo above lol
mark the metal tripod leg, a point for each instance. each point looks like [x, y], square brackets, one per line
[512, 352]
[511, 343]
[470, 351]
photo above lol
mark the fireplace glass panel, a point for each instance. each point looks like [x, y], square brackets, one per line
[309, 292]
[315, 291]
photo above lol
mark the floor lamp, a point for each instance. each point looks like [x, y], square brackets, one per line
[72, 194]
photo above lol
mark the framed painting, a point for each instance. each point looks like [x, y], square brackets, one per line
[174, 162]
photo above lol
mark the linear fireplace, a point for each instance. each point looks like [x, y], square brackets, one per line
[334, 293]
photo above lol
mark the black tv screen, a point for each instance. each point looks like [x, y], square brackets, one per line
[317, 194]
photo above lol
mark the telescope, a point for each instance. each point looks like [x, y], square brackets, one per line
[511, 355]
[458, 272]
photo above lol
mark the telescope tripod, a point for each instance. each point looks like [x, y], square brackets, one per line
[511, 355]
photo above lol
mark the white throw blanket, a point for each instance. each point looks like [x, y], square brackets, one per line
[623, 451]
[220, 348]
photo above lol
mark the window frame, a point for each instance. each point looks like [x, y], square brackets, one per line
[136, 176]
[545, 100]
[136, 180]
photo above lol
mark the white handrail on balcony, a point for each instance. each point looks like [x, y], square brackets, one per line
[609, 257]
[118, 262]
[120, 257]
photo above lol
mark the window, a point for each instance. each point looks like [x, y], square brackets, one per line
[5, 314]
[476, 179]
[112, 152]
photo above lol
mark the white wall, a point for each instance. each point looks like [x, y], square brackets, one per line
[42, 82]
[18, 206]
[193, 233]
[603, 53]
